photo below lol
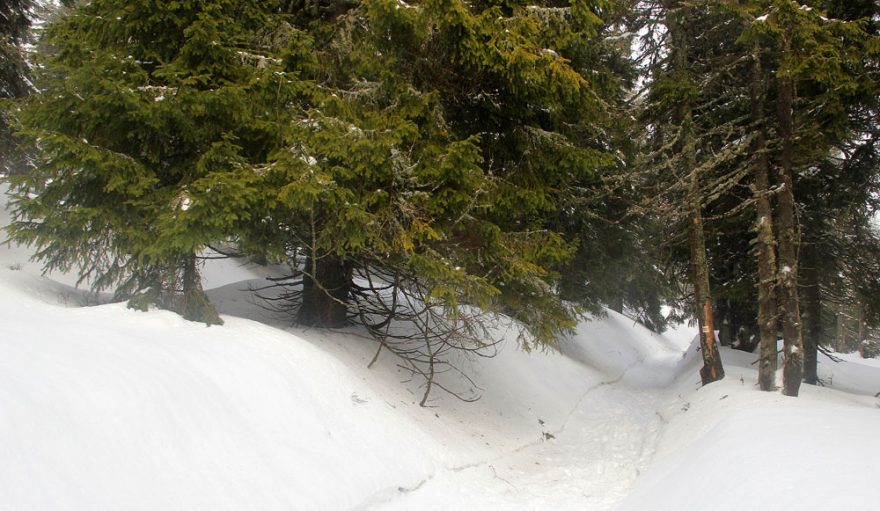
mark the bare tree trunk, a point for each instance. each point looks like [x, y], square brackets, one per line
[712, 369]
[765, 248]
[812, 313]
[793, 366]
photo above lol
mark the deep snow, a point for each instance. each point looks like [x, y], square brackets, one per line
[102, 407]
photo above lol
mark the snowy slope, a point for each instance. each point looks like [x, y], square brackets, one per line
[107, 408]
[728, 446]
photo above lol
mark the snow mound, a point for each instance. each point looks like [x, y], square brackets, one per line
[731, 447]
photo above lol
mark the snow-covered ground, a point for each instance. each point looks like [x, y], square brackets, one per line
[102, 407]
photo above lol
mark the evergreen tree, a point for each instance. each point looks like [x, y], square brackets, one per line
[415, 164]
[676, 165]
[14, 81]
[146, 108]
[430, 181]
[820, 76]
[741, 131]
[14, 31]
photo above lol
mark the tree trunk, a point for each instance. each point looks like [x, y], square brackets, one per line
[712, 369]
[723, 314]
[863, 325]
[793, 365]
[765, 246]
[812, 313]
[840, 325]
[194, 304]
[617, 304]
[325, 294]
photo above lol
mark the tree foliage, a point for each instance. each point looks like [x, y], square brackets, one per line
[419, 166]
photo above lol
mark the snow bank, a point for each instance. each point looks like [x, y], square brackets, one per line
[106, 408]
[729, 446]
[853, 374]
[616, 344]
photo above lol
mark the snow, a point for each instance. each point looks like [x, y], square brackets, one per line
[743, 449]
[102, 407]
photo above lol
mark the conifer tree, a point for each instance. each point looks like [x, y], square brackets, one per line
[14, 81]
[146, 109]
[821, 75]
[14, 27]
[405, 159]
[681, 175]
[441, 139]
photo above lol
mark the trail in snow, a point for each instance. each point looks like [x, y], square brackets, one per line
[589, 462]
[585, 458]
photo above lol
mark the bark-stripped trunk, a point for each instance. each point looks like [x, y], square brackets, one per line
[712, 369]
[765, 247]
[793, 366]
[812, 312]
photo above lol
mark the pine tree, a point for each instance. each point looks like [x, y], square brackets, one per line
[146, 110]
[470, 103]
[820, 75]
[14, 29]
[14, 80]
[406, 160]
[675, 128]
[423, 191]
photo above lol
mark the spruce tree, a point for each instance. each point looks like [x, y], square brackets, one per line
[822, 74]
[411, 162]
[14, 71]
[14, 31]
[147, 108]
[422, 191]
[676, 162]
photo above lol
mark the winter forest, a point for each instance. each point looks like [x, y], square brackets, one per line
[429, 181]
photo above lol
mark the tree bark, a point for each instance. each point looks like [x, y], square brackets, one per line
[793, 365]
[812, 312]
[840, 327]
[765, 246]
[325, 294]
[194, 303]
[712, 369]
[863, 326]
